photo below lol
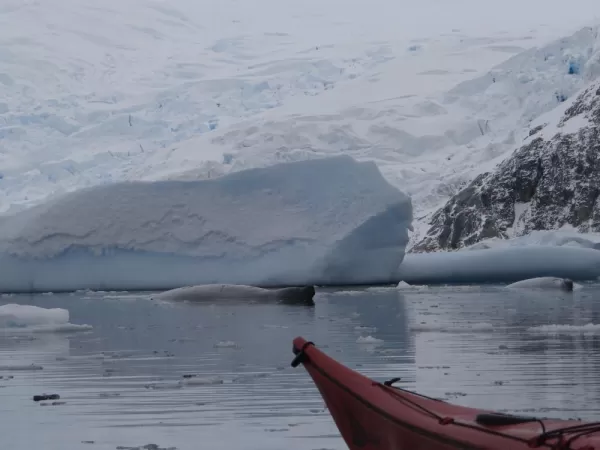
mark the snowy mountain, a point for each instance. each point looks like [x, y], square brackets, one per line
[93, 93]
[431, 144]
[551, 182]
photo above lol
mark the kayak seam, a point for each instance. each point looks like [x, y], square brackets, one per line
[414, 428]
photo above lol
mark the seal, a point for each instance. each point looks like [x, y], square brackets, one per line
[564, 284]
[289, 296]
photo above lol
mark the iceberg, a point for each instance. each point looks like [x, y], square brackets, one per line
[321, 221]
[501, 264]
[29, 318]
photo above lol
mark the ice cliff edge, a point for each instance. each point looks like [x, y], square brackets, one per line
[322, 221]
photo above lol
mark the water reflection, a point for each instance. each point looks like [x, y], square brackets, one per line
[123, 382]
[518, 365]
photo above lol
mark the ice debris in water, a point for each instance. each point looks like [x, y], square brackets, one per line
[164, 385]
[501, 264]
[192, 380]
[591, 328]
[146, 447]
[368, 340]
[403, 285]
[18, 367]
[347, 292]
[249, 377]
[28, 318]
[365, 328]
[225, 344]
[452, 328]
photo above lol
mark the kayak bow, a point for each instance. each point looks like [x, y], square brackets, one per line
[378, 416]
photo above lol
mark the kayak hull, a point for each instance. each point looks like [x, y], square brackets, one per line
[376, 416]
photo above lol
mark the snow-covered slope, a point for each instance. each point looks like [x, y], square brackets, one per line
[326, 221]
[432, 143]
[551, 182]
[93, 93]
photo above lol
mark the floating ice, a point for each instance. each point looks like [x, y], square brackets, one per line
[21, 367]
[368, 340]
[165, 385]
[365, 328]
[323, 221]
[504, 264]
[452, 328]
[347, 292]
[404, 286]
[588, 328]
[28, 318]
[202, 381]
[225, 344]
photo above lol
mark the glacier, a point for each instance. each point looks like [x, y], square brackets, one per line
[321, 221]
[145, 96]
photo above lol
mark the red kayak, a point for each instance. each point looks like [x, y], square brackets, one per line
[378, 416]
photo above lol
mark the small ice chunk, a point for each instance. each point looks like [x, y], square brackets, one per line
[225, 344]
[365, 329]
[452, 328]
[21, 367]
[165, 385]
[201, 381]
[29, 318]
[591, 328]
[368, 340]
[17, 316]
[348, 292]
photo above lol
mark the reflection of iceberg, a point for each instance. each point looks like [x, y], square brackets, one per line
[503, 264]
[33, 319]
[323, 221]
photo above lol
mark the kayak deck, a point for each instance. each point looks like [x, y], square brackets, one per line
[377, 416]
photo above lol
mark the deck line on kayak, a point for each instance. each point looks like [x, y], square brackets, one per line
[411, 427]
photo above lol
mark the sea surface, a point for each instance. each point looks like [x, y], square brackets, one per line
[159, 375]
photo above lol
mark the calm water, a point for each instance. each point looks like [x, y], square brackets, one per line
[123, 386]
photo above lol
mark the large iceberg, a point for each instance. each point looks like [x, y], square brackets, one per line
[322, 221]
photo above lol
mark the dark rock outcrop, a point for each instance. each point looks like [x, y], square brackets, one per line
[551, 181]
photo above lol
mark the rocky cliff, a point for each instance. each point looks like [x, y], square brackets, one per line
[552, 181]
